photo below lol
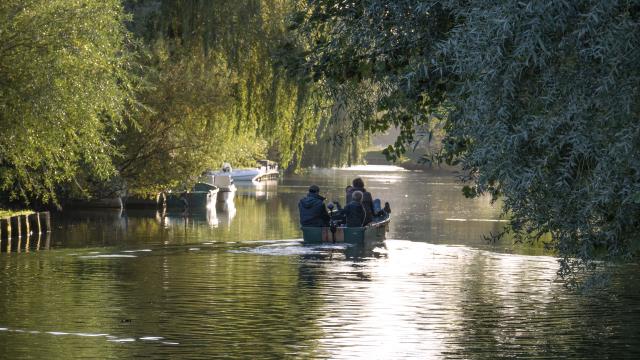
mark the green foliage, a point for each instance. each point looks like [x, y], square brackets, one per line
[91, 113]
[380, 46]
[540, 101]
[213, 92]
[182, 127]
[10, 213]
[63, 87]
[546, 110]
[340, 139]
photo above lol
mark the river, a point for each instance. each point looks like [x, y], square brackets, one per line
[236, 282]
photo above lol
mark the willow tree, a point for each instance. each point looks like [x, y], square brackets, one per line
[376, 56]
[546, 112]
[63, 86]
[340, 139]
[540, 101]
[214, 92]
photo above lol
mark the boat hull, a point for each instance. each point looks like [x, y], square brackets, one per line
[133, 202]
[254, 175]
[244, 175]
[226, 195]
[191, 200]
[376, 231]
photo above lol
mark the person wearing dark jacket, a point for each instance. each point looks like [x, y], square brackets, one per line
[354, 212]
[367, 199]
[312, 209]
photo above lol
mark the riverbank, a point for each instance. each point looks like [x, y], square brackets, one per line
[411, 161]
[24, 230]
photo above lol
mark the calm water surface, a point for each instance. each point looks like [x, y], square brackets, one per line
[236, 282]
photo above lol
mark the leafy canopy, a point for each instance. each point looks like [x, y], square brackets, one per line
[63, 87]
[540, 102]
[213, 92]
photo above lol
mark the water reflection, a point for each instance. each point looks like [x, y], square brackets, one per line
[32, 241]
[189, 218]
[237, 282]
[262, 190]
[227, 212]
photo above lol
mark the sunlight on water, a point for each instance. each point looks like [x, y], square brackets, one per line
[481, 220]
[107, 256]
[375, 168]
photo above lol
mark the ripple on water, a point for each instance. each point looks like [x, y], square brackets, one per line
[108, 337]
[238, 298]
[106, 256]
[289, 249]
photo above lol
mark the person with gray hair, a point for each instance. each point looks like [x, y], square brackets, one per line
[367, 199]
[354, 212]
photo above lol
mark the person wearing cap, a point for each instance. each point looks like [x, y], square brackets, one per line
[312, 209]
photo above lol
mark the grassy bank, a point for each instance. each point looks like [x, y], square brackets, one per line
[10, 213]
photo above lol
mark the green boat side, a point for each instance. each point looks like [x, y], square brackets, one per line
[201, 197]
[375, 231]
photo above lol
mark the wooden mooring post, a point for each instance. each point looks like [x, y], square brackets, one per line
[5, 234]
[16, 231]
[27, 231]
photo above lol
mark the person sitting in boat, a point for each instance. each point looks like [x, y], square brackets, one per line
[354, 213]
[367, 200]
[312, 209]
[348, 190]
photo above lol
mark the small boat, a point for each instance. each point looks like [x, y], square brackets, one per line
[374, 231]
[266, 169]
[137, 202]
[227, 189]
[202, 196]
[223, 181]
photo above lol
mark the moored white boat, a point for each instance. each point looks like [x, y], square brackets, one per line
[227, 187]
[266, 169]
[223, 181]
[245, 174]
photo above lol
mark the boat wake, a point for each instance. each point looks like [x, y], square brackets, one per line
[289, 248]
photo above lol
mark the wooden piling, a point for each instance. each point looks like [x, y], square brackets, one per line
[16, 231]
[18, 226]
[26, 225]
[28, 219]
[47, 240]
[8, 248]
[38, 241]
[47, 221]
[2, 233]
[16, 223]
[38, 223]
